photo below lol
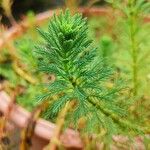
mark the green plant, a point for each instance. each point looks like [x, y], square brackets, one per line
[18, 66]
[83, 87]
[106, 49]
[24, 75]
[132, 54]
[133, 11]
[134, 37]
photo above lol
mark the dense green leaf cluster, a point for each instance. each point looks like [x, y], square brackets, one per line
[81, 76]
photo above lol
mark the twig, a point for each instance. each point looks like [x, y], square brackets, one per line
[23, 74]
[4, 119]
[12, 20]
[28, 132]
[7, 7]
[59, 125]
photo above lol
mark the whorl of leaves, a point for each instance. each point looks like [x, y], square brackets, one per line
[80, 75]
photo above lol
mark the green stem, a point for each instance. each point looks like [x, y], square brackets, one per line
[134, 58]
[134, 51]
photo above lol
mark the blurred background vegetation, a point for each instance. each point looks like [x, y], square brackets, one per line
[21, 7]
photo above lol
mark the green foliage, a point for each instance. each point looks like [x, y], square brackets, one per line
[28, 98]
[133, 42]
[25, 48]
[8, 74]
[12, 81]
[80, 76]
[133, 12]
[107, 48]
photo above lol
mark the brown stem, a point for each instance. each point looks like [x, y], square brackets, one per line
[28, 132]
[23, 74]
[59, 125]
[3, 122]
[1, 148]
[12, 20]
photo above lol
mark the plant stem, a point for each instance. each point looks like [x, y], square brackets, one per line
[23, 74]
[134, 49]
[28, 132]
[134, 57]
[59, 125]
[12, 20]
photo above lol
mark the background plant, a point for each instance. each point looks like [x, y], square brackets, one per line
[134, 35]
[20, 72]
[132, 46]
